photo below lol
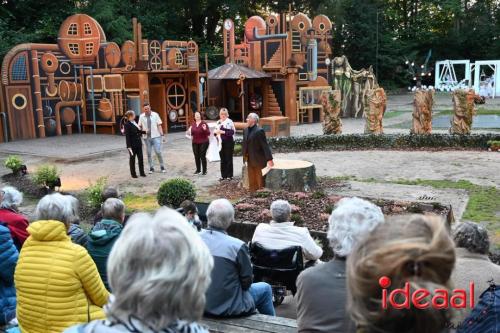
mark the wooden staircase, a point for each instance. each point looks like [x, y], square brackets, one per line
[275, 61]
[273, 108]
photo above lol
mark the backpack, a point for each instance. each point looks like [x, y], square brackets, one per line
[485, 317]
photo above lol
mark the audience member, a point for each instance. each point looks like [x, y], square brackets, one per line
[159, 270]
[190, 212]
[108, 192]
[10, 200]
[57, 282]
[280, 233]
[75, 232]
[321, 290]
[472, 246]
[416, 250]
[8, 260]
[231, 292]
[104, 234]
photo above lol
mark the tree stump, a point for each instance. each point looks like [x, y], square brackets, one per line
[291, 175]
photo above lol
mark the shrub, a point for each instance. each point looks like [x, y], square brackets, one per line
[174, 191]
[47, 175]
[237, 149]
[94, 192]
[14, 163]
[494, 144]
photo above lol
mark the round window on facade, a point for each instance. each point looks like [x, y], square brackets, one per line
[19, 101]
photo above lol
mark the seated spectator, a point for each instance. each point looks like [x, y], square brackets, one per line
[10, 200]
[108, 192]
[417, 250]
[57, 282]
[190, 212]
[280, 233]
[104, 234]
[321, 290]
[472, 246]
[231, 292]
[75, 232]
[8, 260]
[159, 270]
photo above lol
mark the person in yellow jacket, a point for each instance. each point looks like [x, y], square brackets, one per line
[57, 282]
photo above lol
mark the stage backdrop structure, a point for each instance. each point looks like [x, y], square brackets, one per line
[292, 52]
[86, 84]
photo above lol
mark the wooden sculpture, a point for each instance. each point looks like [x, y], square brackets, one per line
[375, 109]
[464, 111]
[331, 110]
[285, 53]
[422, 112]
[44, 86]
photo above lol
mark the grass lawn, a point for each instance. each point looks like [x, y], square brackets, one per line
[483, 206]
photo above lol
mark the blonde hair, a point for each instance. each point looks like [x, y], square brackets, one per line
[418, 250]
[159, 270]
[128, 114]
[224, 111]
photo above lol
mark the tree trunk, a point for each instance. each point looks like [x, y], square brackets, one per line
[291, 175]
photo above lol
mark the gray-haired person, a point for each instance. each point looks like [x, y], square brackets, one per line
[280, 233]
[472, 262]
[231, 292]
[159, 270]
[10, 200]
[105, 233]
[321, 290]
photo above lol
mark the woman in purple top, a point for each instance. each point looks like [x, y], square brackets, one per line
[199, 133]
[225, 128]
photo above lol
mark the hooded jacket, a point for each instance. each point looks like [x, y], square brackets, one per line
[101, 240]
[57, 282]
[8, 260]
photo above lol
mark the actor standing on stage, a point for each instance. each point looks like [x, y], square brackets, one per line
[225, 132]
[199, 134]
[150, 122]
[256, 152]
[134, 143]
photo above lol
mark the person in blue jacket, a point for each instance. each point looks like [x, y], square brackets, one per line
[8, 260]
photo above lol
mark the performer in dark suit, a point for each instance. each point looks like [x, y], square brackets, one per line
[256, 152]
[134, 143]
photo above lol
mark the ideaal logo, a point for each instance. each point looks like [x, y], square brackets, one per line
[441, 299]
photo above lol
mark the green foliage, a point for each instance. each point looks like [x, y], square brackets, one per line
[262, 194]
[297, 219]
[134, 202]
[14, 163]
[318, 194]
[174, 191]
[237, 149]
[46, 175]
[94, 192]
[494, 144]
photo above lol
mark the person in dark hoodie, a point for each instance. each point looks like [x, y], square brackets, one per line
[103, 235]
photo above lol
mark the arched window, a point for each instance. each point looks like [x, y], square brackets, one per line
[18, 70]
[73, 29]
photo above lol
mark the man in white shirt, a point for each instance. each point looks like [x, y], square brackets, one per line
[280, 233]
[150, 122]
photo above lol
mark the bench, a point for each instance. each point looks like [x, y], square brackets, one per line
[253, 324]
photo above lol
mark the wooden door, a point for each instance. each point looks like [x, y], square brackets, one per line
[158, 103]
[20, 111]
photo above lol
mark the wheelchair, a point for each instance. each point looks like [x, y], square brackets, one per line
[279, 268]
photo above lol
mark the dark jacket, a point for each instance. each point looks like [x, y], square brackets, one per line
[101, 240]
[321, 299]
[8, 260]
[133, 135]
[232, 276]
[256, 151]
[17, 224]
[78, 236]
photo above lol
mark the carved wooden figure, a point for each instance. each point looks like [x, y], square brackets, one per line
[422, 112]
[376, 102]
[464, 111]
[332, 124]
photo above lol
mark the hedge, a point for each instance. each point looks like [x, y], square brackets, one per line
[384, 141]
